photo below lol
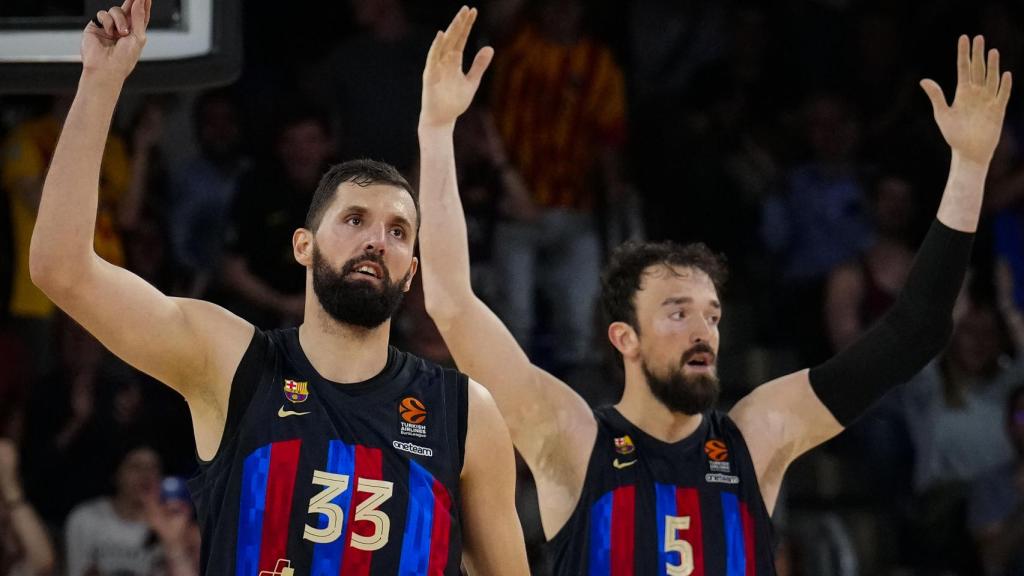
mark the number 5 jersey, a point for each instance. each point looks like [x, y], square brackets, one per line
[318, 478]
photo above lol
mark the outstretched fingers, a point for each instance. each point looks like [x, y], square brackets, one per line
[463, 32]
[963, 61]
[992, 73]
[1005, 86]
[935, 95]
[978, 61]
[480, 63]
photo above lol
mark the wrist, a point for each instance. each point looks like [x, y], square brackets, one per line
[429, 128]
[968, 168]
[99, 78]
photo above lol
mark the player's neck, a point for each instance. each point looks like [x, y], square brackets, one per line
[341, 352]
[639, 406]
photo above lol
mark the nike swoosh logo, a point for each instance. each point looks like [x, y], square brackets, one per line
[285, 413]
[621, 465]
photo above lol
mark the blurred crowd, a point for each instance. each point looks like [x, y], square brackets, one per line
[789, 135]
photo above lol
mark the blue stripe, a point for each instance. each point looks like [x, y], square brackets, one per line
[341, 459]
[419, 522]
[665, 506]
[735, 551]
[255, 472]
[600, 562]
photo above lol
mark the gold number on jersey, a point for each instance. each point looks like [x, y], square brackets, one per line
[673, 543]
[334, 484]
[379, 492]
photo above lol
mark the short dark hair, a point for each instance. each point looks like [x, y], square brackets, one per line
[361, 172]
[624, 274]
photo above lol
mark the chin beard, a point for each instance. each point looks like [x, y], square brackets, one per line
[679, 392]
[356, 302]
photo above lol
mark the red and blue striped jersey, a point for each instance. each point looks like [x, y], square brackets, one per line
[325, 479]
[654, 508]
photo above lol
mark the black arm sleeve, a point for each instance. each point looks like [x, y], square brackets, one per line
[907, 337]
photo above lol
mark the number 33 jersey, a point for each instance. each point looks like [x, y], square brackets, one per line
[318, 478]
[648, 508]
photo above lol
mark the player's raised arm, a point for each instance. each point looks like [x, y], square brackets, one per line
[191, 346]
[788, 416]
[542, 412]
[494, 538]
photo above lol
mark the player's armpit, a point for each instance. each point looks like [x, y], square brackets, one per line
[493, 537]
[543, 414]
[780, 420]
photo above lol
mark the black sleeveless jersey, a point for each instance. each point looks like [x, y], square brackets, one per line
[318, 478]
[652, 508]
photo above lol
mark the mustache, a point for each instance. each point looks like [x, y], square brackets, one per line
[700, 348]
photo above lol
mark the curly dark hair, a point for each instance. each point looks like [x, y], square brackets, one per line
[623, 275]
[360, 172]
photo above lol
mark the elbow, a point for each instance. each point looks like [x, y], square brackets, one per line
[51, 272]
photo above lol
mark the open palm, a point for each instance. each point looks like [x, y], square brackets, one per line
[115, 46]
[447, 91]
[971, 126]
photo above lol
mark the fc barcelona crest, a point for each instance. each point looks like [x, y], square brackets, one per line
[296, 392]
[624, 445]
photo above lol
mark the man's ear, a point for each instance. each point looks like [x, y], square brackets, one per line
[625, 339]
[412, 273]
[302, 247]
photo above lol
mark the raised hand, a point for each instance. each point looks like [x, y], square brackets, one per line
[447, 91]
[114, 47]
[971, 126]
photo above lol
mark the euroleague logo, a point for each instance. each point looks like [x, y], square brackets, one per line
[413, 411]
[716, 450]
[414, 417]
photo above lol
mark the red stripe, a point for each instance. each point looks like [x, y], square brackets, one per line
[284, 461]
[688, 504]
[440, 531]
[356, 562]
[748, 538]
[623, 530]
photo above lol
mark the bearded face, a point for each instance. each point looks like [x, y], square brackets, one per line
[361, 293]
[691, 390]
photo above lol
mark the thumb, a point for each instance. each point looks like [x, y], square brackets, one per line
[935, 95]
[480, 63]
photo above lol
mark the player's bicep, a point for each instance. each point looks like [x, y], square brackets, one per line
[170, 339]
[537, 407]
[494, 538]
[780, 420]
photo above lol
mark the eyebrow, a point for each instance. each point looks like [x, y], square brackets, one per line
[687, 300]
[357, 209]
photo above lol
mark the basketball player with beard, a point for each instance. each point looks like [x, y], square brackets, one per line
[662, 483]
[322, 449]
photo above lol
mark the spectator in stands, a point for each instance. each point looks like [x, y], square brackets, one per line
[996, 512]
[860, 290]
[25, 157]
[377, 118]
[559, 105]
[131, 533]
[955, 411]
[204, 187]
[25, 547]
[260, 271]
[819, 221]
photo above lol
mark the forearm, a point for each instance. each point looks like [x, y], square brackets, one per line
[33, 539]
[964, 194]
[443, 238]
[909, 335]
[62, 240]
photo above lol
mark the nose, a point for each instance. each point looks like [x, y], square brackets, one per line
[375, 240]
[701, 331]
